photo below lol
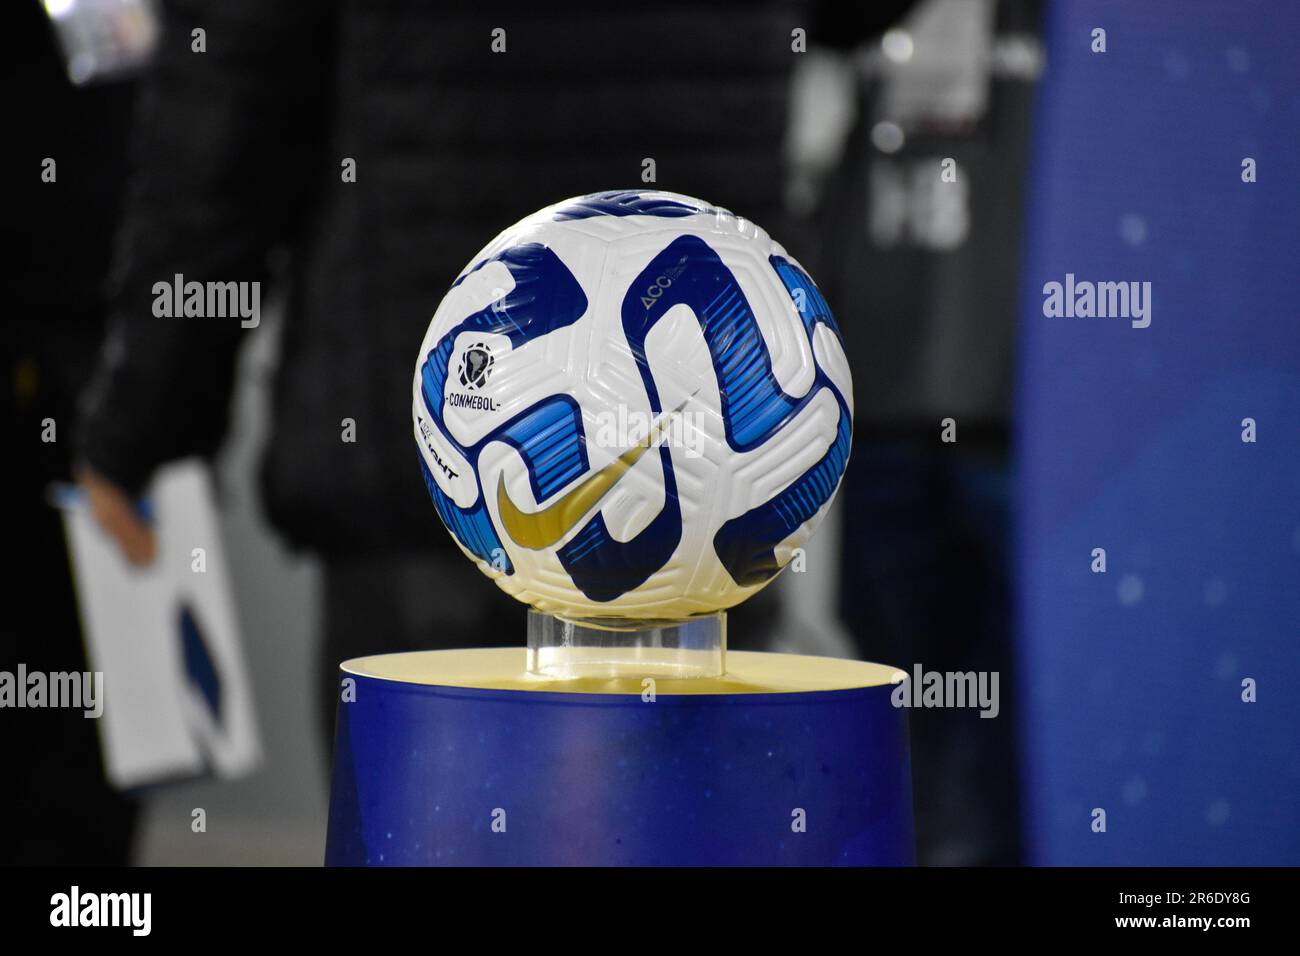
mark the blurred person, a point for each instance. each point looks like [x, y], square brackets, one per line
[922, 231]
[56, 808]
[455, 131]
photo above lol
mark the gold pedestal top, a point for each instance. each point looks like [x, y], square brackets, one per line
[748, 672]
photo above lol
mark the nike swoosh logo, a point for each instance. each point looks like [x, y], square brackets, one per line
[542, 529]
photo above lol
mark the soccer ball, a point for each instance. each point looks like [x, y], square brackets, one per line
[634, 406]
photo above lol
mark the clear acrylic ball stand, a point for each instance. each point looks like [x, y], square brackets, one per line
[563, 649]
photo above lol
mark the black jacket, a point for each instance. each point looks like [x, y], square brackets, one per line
[239, 149]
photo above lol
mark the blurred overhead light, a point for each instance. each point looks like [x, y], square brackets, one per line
[897, 45]
[887, 137]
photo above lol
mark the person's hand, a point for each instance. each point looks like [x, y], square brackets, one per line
[116, 514]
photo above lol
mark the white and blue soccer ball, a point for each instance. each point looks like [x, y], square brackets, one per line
[632, 405]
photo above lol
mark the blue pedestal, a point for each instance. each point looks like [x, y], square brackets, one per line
[458, 758]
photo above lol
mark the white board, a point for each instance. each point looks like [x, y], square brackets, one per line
[177, 698]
